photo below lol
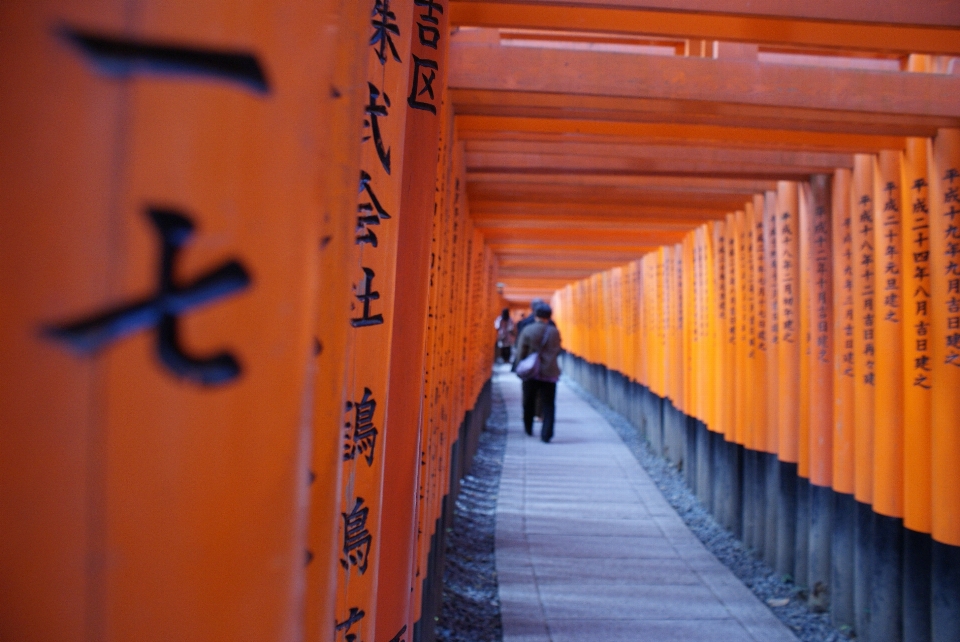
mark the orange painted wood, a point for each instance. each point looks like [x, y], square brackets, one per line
[741, 24]
[650, 160]
[731, 401]
[243, 167]
[770, 218]
[788, 307]
[712, 328]
[844, 279]
[923, 12]
[743, 417]
[944, 335]
[405, 388]
[917, 368]
[169, 466]
[804, 221]
[759, 389]
[722, 380]
[748, 326]
[821, 315]
[888, 320]
[341, 162]
[864, 312]
[485, 79]
[485, 126]
[373, 281]
[58, 191]
[678, 373]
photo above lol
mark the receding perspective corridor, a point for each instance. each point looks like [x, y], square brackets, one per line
[278, 276]
[587, 547]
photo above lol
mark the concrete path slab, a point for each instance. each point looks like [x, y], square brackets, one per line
[588, 549]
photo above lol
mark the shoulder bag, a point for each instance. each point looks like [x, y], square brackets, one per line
[529, 367]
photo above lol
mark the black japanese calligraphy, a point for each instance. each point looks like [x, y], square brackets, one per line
[356, 538]
[356, 614]
[424, 73]
[162, 311]
[363, 438]
[951, 201]
[366, 297]
[375, 111]
[120, 56]
[384, 29]
[369, 213]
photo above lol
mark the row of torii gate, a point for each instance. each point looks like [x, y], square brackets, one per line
[251, 253]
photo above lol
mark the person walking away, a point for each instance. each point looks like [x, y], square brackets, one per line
[542, 387]
[506, 335]
[527, 320]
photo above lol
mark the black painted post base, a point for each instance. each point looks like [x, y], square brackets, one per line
[821, 535]
[760, 503]
[749, 500]
[886, 597]
[786, 518]
[862, 569]
[917, 561]
[736, 495]
[801, 555]
[704, 469]
[945, 599]
[690, 451]
[772, 496]
[841, 560]
[721, 490]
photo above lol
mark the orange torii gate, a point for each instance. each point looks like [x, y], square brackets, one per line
[251, 252]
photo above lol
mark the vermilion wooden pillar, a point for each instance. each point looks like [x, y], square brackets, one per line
[761, 329]
[158, 476]
[917, 387]
[788, 357]
[405, 394]
[772, 323]
[340, 162]
[721, 380]
[945, 358]
[864, 349]
[820, 359]
[886, 599]
[842, 473]
[60, 130]
[372, 315]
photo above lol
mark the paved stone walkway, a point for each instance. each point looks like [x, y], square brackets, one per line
[589, 550]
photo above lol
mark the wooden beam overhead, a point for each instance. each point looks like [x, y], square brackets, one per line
[600, 240]
[653, 152]
[933, 27]
[579, 216]
[510, 81]
[705, 184]
[599, 195]
[931, 13]
[504, 223]
[677, 161]
[474, 127]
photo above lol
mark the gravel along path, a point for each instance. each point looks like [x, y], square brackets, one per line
[471, 604]
[784, 598]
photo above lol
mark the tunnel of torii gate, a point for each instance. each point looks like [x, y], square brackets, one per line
[251, 253]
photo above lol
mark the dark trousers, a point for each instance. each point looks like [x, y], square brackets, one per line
[546, 392]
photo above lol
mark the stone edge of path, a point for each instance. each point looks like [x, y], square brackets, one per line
[470, 609]
[754, 573]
